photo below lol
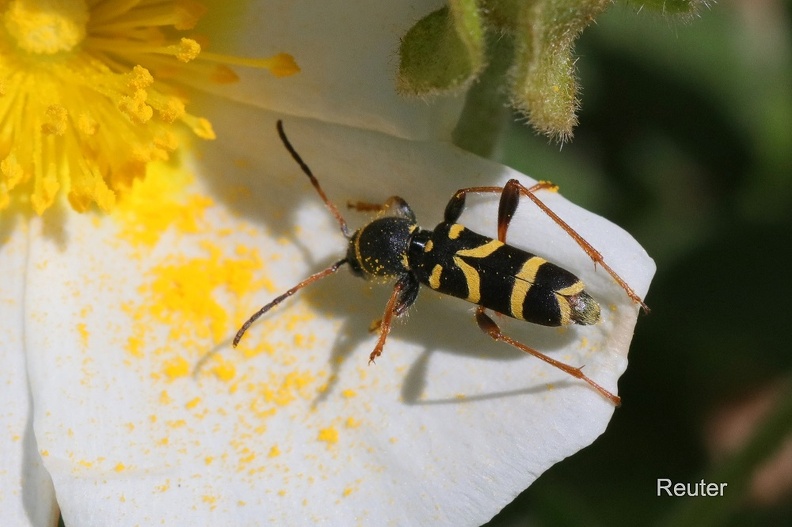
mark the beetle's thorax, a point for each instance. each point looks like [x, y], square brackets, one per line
[380, 248]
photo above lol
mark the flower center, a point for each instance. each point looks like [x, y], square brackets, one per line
[46, 27]
[86, 102]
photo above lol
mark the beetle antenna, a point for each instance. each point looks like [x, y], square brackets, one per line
[315, 182]
[308, 281]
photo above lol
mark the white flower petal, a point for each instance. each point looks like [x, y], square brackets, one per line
[348, 55]
[445, 429]
[26, 493]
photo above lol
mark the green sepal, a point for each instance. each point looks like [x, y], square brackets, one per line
[443, 52]
[683, 8]
[544, 86]
[447, 50]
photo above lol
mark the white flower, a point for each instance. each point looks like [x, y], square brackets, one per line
[105, 317]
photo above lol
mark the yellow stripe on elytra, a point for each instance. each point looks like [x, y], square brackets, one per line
[471, 278]
[529, 269]
[434, 278]
[563, 301]
[565, 309]
[524, 280]
[429, 246]
[518, 294]
[482, 251]
[455, 230]
[573, 289]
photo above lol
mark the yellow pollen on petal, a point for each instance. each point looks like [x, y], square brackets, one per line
[177, 367]
[328, 435]
[91, 93]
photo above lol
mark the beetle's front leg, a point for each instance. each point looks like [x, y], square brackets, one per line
[403, 296]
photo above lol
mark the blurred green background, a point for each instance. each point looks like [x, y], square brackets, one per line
[685, 139]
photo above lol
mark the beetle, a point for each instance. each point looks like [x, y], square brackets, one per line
[457, 261]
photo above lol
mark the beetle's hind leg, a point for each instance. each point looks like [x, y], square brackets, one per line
[510, 199]
[508, 205]
[488, 326]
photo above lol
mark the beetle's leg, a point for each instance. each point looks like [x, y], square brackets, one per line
[456, 204]
[404, 294]
[489, 327]
[508, 205]
[393, 202]
[509, 202]
[510, 199]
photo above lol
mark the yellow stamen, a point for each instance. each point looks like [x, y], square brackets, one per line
[280, 65]
[46, 26]
[186, 50]
[85, 103]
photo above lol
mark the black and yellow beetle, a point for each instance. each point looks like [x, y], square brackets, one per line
[456, 261]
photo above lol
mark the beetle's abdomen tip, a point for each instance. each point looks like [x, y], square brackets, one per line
[584, 310]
